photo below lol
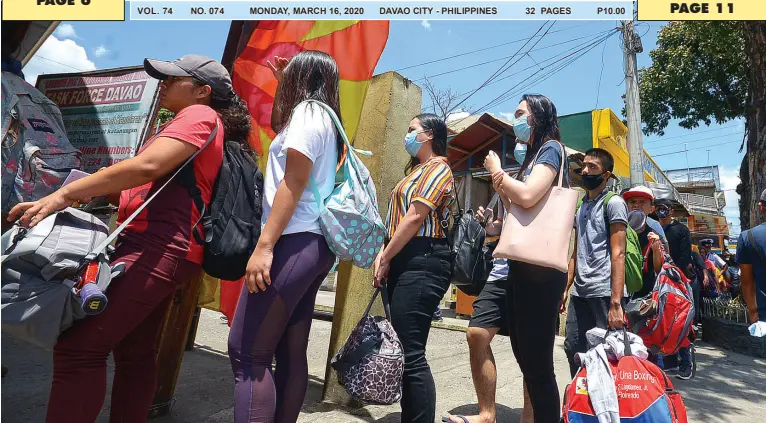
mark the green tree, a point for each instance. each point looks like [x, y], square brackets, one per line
[706, 72]
[164, 116]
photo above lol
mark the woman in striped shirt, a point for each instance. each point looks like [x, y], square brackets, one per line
[415, 262]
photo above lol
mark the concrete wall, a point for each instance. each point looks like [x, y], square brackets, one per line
[391, 103]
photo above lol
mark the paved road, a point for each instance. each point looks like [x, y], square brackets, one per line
[729, 387]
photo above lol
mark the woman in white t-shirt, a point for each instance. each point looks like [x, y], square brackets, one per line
[291, 260]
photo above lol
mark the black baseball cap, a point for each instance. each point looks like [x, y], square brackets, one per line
[663, 202]
[207, 70]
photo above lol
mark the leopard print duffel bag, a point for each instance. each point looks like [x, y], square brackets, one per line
[371, 362]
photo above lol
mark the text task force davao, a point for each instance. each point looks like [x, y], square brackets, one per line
[98, 95]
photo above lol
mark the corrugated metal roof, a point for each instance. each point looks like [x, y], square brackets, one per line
[476, 136]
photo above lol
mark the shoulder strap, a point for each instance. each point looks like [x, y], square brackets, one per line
[561, 165]
[444, 223]
[101, 247]
[607, 197]
[758, 251]
[189, 181]
[347, 161]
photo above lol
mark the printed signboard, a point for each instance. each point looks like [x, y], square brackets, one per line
[107, 114]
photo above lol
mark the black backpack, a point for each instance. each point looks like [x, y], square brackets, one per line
[470, 268]
[232, 223]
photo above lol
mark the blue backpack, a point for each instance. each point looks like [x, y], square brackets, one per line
[349, 217]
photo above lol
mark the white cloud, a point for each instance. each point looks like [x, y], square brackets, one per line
[58, 56]
[460, 114]
[508, 116]
[65, 31]
[100, 51]
[426, 24]
[729, 181]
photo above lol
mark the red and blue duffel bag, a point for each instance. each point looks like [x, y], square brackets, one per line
[644, 394]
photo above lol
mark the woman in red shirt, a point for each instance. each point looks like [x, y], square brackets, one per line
[158, 248]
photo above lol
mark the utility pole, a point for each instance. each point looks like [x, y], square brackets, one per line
[632, 45]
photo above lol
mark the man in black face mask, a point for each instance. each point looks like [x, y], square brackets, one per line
[677, 234]
[680, 243]
[597, 269]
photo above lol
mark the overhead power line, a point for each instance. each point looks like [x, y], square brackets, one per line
[552, 62]
[485, 49]
[537, 65]
[685, 150]
[486, 62]
[475, 65]
[691, 134]
[690, 142]
[601, 74]
[59, 63]
[505, 65]
[552, 69]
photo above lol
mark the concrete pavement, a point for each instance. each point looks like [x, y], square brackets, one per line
[729, 387]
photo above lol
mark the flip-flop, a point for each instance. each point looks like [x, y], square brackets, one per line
[449, 420]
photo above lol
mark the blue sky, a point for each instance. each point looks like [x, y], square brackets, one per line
[99, 45]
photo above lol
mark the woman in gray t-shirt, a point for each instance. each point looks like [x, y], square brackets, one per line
[534, 292]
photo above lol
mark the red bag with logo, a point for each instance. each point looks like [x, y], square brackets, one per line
[644, 394]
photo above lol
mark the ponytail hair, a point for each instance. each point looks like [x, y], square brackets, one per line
[235, 116]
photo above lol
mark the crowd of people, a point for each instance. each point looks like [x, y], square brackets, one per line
[292, 258]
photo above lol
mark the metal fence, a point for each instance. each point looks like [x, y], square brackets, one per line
[725, 308]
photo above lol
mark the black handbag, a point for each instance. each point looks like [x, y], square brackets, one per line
[470, 266]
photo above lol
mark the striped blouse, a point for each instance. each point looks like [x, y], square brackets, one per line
[430, 183]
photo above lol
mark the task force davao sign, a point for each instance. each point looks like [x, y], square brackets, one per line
[64, 10]
[701, 10]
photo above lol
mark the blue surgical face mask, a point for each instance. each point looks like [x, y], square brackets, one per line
[520, 152]
[411, 144]
[522, 129]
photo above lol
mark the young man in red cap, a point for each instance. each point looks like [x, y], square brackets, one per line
[642, 198]
[649, 240]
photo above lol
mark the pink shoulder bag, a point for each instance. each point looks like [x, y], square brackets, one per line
[540, 235]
